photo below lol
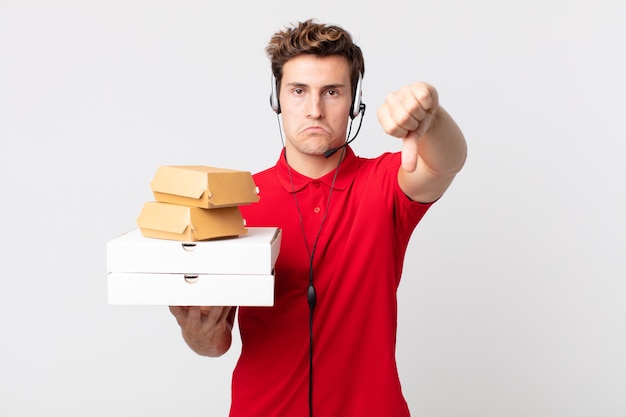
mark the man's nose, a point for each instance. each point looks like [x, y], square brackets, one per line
[315, 108]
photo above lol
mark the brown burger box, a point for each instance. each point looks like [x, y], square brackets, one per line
[191, 224]
[203, 186]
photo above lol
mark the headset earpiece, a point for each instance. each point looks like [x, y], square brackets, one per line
[274, 96]
[357, 106]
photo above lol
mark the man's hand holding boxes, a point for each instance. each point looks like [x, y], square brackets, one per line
[192, 247]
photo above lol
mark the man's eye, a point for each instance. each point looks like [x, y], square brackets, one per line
[332, 92]
[298, 91]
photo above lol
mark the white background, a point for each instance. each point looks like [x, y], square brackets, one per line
[513, 295]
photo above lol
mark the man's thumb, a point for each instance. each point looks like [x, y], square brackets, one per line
[409, 152]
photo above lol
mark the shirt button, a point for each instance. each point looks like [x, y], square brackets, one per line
[316, 184]
[316, 210]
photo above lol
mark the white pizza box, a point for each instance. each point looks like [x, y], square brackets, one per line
[254, 253]
[190, 290]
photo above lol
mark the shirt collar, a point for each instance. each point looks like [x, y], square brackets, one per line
[345, 176]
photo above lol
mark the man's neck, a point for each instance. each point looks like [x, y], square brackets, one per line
[313, 166]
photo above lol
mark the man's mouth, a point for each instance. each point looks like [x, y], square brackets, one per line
[315, 129]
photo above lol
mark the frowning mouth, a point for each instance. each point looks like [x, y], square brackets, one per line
[316, 129]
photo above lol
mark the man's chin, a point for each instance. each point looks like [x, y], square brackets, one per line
[313, 147]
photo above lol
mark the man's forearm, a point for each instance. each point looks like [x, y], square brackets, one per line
[443, 148]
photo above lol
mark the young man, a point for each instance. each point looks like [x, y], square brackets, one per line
[327, 347]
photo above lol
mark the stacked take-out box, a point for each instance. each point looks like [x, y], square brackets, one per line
[192, 247]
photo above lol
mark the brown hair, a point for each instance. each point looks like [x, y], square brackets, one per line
[310, 37]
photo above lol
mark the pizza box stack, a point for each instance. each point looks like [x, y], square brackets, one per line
[192, 247]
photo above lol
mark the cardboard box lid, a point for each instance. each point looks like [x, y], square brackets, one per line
[172, 221]
[253, 253]
[216, 187]
[184, 290]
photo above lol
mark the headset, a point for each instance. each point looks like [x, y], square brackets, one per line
[357, 105]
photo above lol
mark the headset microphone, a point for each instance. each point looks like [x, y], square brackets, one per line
[332, 151]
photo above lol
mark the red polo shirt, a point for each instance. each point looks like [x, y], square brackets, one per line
[357, 268]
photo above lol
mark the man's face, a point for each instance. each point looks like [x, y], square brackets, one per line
[315, 99]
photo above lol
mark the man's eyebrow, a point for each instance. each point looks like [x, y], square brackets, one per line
[335, 86]
[325, 87]
[295, 84]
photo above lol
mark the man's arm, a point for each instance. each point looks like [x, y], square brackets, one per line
[207, 330]
[433, 148]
